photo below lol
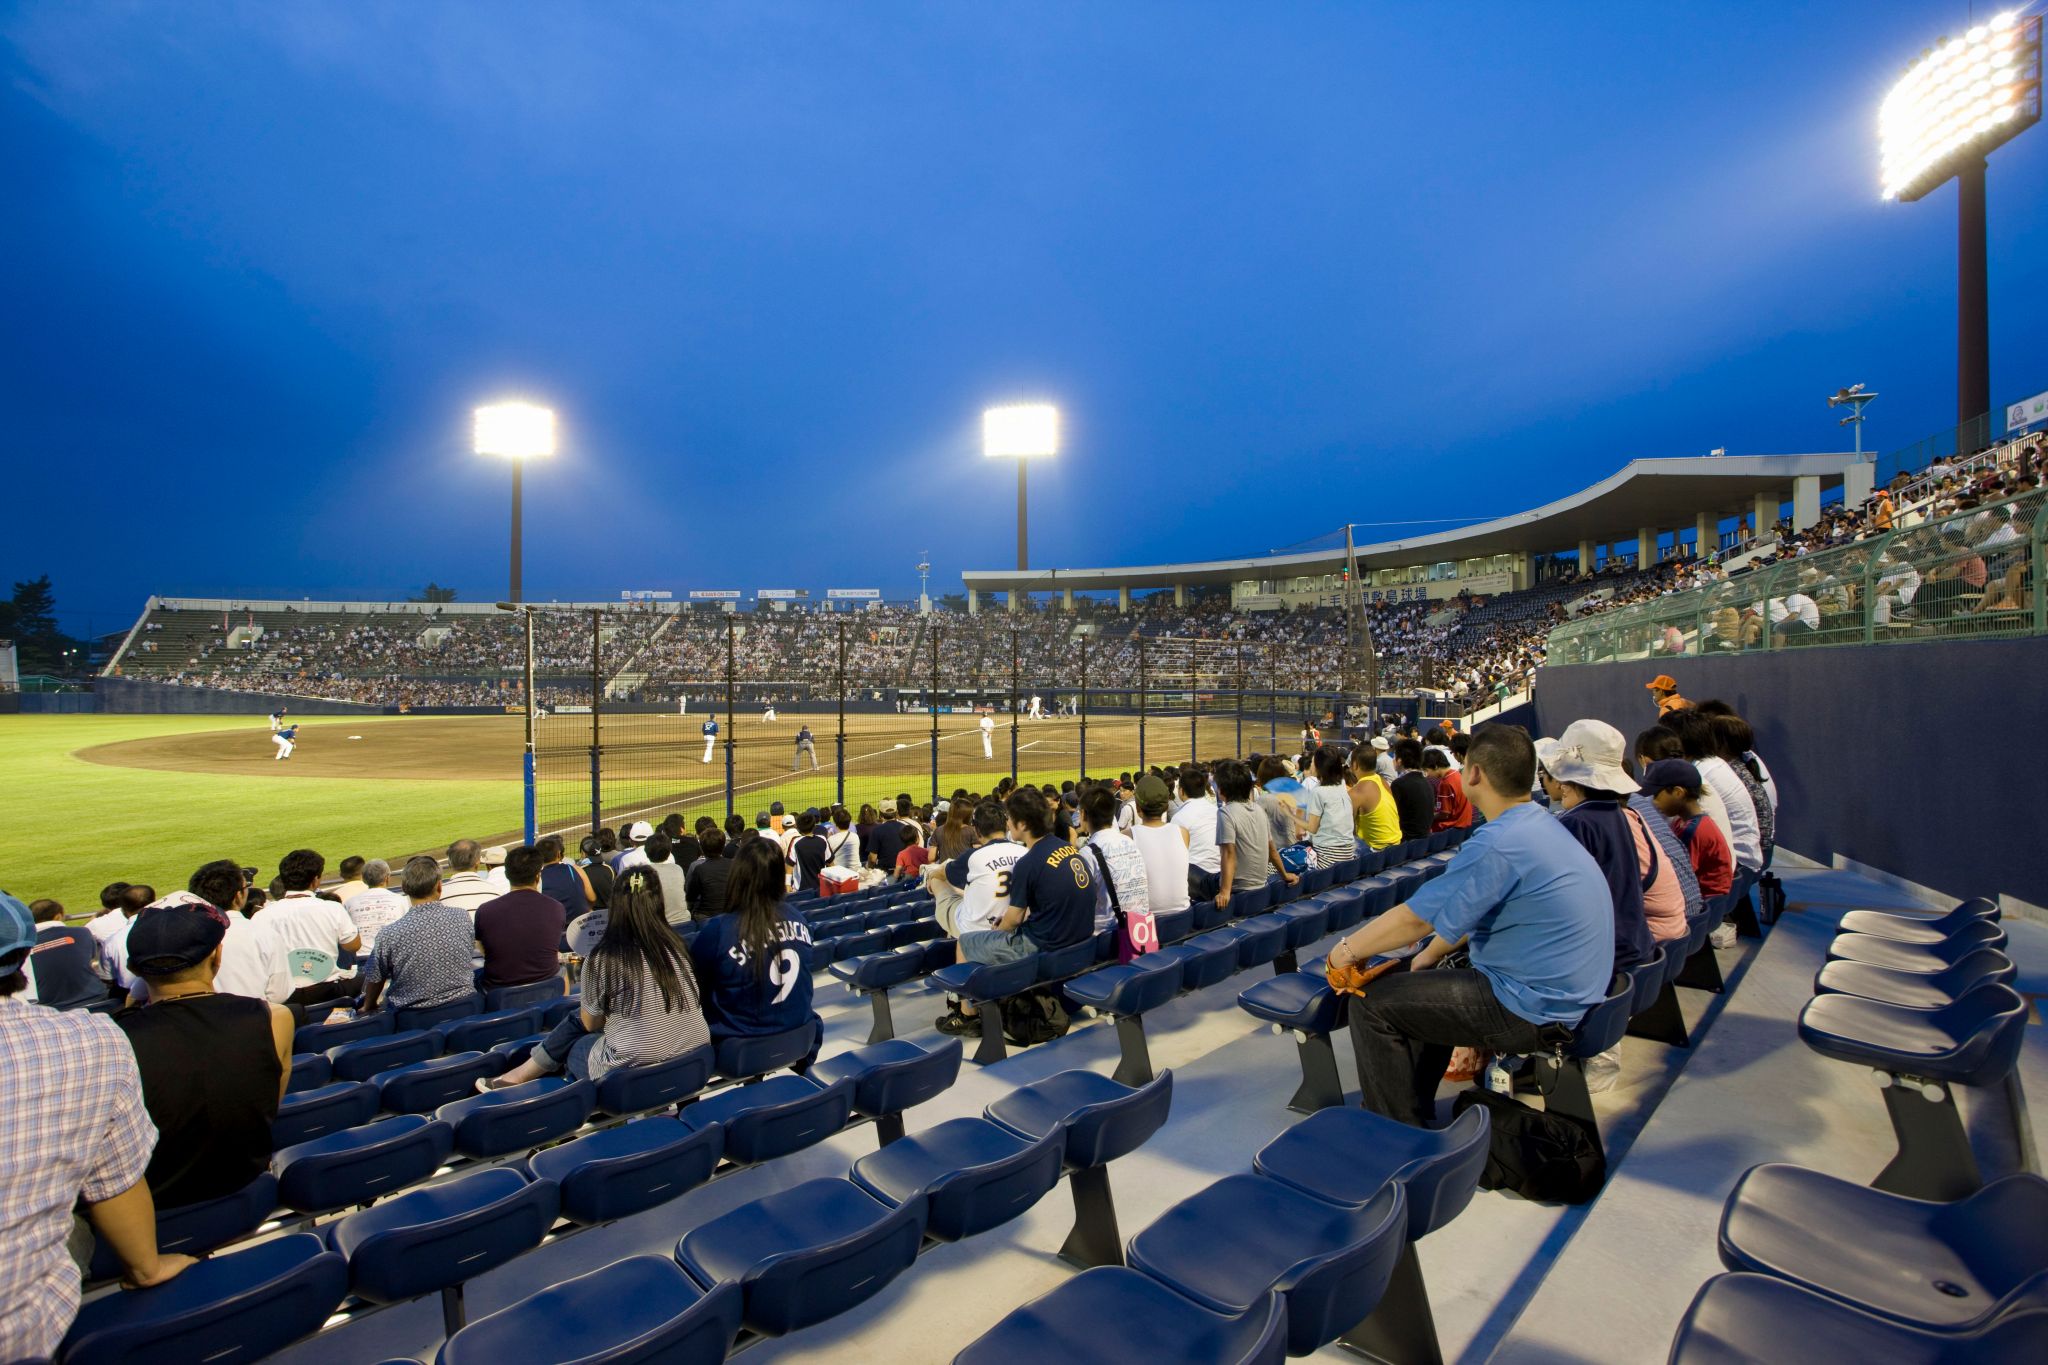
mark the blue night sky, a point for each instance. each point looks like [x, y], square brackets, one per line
[1281, 265]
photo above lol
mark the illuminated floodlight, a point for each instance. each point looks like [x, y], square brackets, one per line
[517, 431]
[1964, 97]
[1021, 431]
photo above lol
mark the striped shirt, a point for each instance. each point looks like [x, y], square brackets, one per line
[647, 1032]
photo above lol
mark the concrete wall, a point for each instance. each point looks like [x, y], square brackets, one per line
[1919, 760]
[132, 696]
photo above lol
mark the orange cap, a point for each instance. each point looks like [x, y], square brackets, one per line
[1663, 682]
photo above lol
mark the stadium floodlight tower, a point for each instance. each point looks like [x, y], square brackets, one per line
[1853, 398]
[1022, 432]
[517, 432]
[1963, 98]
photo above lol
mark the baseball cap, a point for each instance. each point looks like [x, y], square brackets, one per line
[1671, 772]
[174, 933]
[494, 856]
[775, 808]
[1588, 754]
[640, 830]
[17, 927]
[1663, 682]
[1152, 794]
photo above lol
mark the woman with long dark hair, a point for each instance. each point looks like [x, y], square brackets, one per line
[639, 995]
[751, 963]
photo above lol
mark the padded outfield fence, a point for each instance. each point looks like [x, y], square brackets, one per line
[706, 714]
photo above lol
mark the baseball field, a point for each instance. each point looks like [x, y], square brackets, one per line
[92, 799]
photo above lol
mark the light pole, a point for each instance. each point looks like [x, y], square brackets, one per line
[924, 573]
[1022, 432]
[1853, 398]
[1962, 99]
[526, 615]
[517, 432]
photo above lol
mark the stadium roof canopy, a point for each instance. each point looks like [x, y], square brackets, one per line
[1661, 494]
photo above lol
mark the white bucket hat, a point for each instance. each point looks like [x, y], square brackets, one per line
[1589, 754]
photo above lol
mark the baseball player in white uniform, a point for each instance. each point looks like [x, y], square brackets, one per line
[988, 730]
[768, 714]
[710, 737]
[1036, 713]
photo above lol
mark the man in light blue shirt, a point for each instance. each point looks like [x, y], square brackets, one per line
[1533, 908]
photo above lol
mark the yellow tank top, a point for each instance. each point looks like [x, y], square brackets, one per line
[1380, 827]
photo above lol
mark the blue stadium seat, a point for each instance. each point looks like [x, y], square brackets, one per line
[1257, 901]
[873, 975]
[1740, 1319]
[240, 1306]
[537, 994]
[423, 1087]
[1209, 915]
[1910, 928]
[1347, 907]
[1174, 925]
[1302, 1003]
[775, 1117]
[1916, 957]
[1112, 1316]
[806, 1253]
[972, 1175]
[1381, 894]
[627, 1169]
[360, 1164]
[1974, 1041]
[310, 1071]
[195, 1229]
[1102, 1121]
[634, 1089]
[517, 1050]
[307, 1114]
[1306, 921]
[518, 1117]
[1057, 964]
[1262, 941]
[427, 1016]
[1124, 992]
[939, 952]
[437, 1239]
[987, 985]
[632, 1312]
[321, 1037]
[359, 1061]
[1204, 959]
[482, 1032]
[1919, 990]
[1563, 1078]
[1329, 1262]
[1946, 1267]
[890, 1077]
[555, 1011]
[740, 1058]
[1345, 1155]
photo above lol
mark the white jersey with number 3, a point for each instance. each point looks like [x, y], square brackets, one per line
[987, 880]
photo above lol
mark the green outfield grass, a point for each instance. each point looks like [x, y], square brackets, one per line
[68, 827]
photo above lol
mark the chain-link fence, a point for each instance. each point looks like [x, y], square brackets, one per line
[1973, 574]
[715, 714]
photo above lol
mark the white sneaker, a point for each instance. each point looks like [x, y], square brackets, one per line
[1722, 937]
[1602, 1070]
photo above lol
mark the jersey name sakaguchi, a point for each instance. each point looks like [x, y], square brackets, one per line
[787, 931]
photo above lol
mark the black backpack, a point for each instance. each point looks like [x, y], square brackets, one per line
[1542, 1156]
[1034, 1017]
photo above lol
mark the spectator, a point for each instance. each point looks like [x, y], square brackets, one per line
[63, 966]
[1329, 811]
[1383, 759]
[632, 840]
[213, 1065]
[1165, 846]
[1703, 748]
[1669, 911]
[1375, 818]
[1414, 798]
[353, 883]
[466, 888]
[565, 881]
[423, 958]
[842, 844]
[1119, 866]
[1051, 900]
[377, 905]
[1245, 840]
[639, 1004]
[683, 848]
[252, 961]
[1531, 904]
[1200, 818]
[313, 931]
[596, 871]
[114, 947]
[493, 860]
[110, 918]
[887, 838]
[969, 887]
[707, 881]
[1664, 692]
[1277, 797]
[810, 851]
[910, 862]
[521, 931]
[1734, 736]
[1585, 762]
[1676, 787]
[675, 898]
[1661, 742]
[73, 1131]
[1452, 810]
[752, 972]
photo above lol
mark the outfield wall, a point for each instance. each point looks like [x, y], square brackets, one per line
[1915, 760]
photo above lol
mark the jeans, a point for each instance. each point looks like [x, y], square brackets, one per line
[995, 947]
[1203, 886]
[567, 1048]
[1406, 1024]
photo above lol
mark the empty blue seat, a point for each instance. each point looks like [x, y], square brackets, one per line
[360, 1164]
[1256, 901]
[321, 1037]
[358, 1061]
[632, 1312]
[1942, 1266]
[308, 1114]
[1102, 1120]
[972, 1175]
[1345, 1155]
[423, 1087]
[1306, 921]
[780, 1115]
[482, 1032]
[517, 1050]
[1380, 891]
[1303, 1004]
[555, 1011]
[1330, 1263]
[879, 971]
[310, 1071]
[1204, 959]
[1112, 1316]
[436, 1239]
[1208, 915]
[740, 1058]
[1906, 927]
[1173, 925]
[427, 1016]
[890, 1077]
[939, 952]
[626, 1169]
[1740, 1319]
[806, 1253]
[1057, 964]
[1916, 957]
[867, 941]
[240, 1306]
[537, 994]
[633, 1089]
[518, 1117]
[1920, 990]
[1346, 906]
[1264, 939]
[195, 1229]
